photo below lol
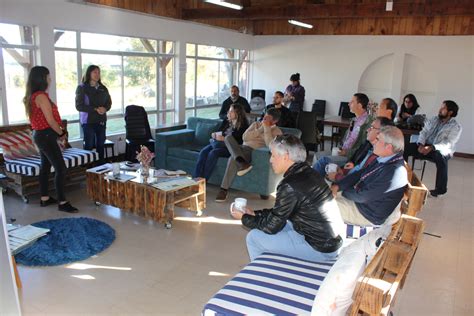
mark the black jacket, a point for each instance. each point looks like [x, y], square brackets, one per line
[301, 198]
[228, 102]
[88, 99]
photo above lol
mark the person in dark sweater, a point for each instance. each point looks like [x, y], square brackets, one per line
[233, 99]
[93, 101]
[305, 221]
[370, 195]
[234, 124]
[286, 119]
[408, 108]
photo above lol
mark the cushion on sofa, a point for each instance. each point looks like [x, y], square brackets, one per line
[271, 284]
[203, 131]
[30, 165]
[17, 144]
[335, 294]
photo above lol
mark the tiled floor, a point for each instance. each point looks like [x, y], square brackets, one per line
[152, 270]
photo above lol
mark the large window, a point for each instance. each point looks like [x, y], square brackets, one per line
[135, 70]
[210, 72]
[17, 45]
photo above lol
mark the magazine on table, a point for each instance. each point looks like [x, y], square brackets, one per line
[169, 184]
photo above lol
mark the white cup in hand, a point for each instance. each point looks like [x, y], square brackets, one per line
[331, 167]
[239, 204]
[335, 151]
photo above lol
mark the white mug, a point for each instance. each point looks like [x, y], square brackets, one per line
[116, 169]
[335, 151]
[331, 167]
[239, 204]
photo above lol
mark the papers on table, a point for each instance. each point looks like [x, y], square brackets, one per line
[121, 177]
[127, 166]
[174, 183]
[21, 237]
[174, 173]
[101, 169]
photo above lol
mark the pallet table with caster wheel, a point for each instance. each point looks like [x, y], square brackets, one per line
[139, 197]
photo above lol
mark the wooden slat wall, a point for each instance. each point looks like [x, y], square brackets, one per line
[435, 25]
[446, 25]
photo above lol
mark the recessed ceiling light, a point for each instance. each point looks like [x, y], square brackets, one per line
[225, 4]
[298, 23]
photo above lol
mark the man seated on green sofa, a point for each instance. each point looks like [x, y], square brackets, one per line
[259, 134]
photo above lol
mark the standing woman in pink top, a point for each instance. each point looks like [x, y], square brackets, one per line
[46, 125]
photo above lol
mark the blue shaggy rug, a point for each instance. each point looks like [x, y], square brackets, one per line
[69, 240]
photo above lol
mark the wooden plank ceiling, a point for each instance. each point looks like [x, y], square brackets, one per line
[329, 17]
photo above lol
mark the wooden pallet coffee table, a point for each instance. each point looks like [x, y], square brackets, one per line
[143, 199]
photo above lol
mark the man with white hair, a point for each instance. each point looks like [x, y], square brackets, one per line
[371, 194]
[305, 221]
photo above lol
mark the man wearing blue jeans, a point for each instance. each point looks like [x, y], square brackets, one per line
[305, 221]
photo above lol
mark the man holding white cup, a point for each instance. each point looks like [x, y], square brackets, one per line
[305, 221]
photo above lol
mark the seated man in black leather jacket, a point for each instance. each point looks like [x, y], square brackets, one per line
[305, 221]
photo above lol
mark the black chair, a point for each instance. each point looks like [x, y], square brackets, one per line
[337, 133]
[257, 93]
[306, 123]
[319, 107]
[138, 133]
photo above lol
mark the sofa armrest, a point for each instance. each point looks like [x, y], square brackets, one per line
[165, 140]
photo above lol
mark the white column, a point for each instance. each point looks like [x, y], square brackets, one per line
[45, 56]
[180, 81]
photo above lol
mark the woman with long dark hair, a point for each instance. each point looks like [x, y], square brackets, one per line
[47, 129]
[234, 124]
[408, 108]
[93, 101]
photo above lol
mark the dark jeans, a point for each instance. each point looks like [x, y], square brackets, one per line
[207, 160]
[47, 143]
[94, 137]
[441, 162]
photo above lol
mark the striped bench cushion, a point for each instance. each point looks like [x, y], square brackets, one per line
[354, 231]
[30, 166]
[272, 284]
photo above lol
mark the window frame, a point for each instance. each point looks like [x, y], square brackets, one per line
[235, 79]
[157, 55]
[33, 48]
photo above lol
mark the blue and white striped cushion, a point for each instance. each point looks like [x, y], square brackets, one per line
[354, 231]
[271, 284]
[30, 166]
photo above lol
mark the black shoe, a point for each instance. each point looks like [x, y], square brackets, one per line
[67, 207]
[48, 202]
[436, 193]
[221, 196]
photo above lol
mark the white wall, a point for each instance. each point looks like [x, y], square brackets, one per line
[333, 67]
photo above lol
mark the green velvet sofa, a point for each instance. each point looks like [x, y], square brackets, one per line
[180, 150]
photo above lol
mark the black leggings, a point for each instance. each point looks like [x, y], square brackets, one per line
[47, 142]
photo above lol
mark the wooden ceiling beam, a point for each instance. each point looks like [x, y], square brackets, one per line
[325, 11]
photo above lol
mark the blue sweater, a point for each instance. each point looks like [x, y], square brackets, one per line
[378, 195]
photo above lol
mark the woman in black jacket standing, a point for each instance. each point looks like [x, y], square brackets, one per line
[93, 101]
[234, 124]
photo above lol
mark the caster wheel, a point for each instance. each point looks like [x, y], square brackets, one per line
[25, 199]
[199, 213]
[168, 225]
[97, 203]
